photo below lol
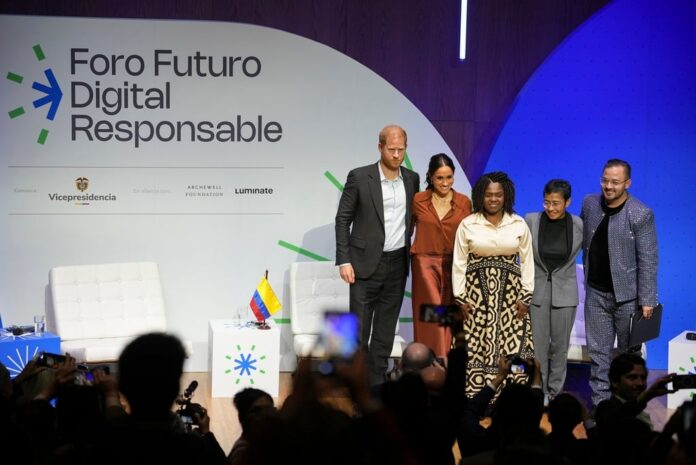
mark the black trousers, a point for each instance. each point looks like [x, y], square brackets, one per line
[377, 302]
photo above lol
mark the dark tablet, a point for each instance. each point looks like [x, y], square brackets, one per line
[643, 330]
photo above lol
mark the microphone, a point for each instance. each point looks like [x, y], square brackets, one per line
[192, 387]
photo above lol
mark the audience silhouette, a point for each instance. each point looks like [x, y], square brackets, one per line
[414, 418]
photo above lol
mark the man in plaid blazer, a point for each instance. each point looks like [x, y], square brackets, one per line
[620, 259]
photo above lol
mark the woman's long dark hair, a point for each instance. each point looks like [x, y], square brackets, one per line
[437, 161]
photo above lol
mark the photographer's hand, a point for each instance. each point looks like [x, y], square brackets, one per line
[504, 364]
[202, 420]
[30, 370]
[108, 387]
[467, 310]
[64, 374]
[304, 389]
[657, 389]
[354, 375]
[522, 310]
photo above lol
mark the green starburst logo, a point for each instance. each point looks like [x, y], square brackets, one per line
[246, 365]
[52, 94]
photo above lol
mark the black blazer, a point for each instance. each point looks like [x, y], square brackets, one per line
[361, 206]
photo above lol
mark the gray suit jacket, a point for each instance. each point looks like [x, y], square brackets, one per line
[632, 248]
[360, 219]
[564, 285]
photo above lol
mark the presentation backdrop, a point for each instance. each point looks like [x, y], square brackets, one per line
[623, 85]
[217, 150]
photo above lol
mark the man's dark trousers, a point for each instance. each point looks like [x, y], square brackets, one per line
[383, 291]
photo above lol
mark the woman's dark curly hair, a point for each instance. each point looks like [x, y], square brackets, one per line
[484, 181]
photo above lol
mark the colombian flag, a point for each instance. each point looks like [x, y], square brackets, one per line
[264, 303]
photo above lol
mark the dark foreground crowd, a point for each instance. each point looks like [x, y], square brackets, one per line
[415, 417]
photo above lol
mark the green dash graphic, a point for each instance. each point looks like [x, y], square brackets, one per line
[313, 256]
[38, 52]
[52, 91]
[407, 161]
[15, 78]
[302, 251]
[19, 111]
[334, 181]
[43, 135]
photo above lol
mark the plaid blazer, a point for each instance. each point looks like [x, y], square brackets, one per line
[632, 248]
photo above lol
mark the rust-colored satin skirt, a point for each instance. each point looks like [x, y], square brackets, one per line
[431, 283]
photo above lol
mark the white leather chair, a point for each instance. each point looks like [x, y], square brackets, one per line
[316, 287]
[98, 309]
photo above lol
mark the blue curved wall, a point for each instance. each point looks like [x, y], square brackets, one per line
[622, 85]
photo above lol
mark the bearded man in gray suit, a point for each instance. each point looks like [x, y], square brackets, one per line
[373, 238]
[620, 258]
[557, 237]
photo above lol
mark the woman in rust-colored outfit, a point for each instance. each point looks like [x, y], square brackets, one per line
[437, 212]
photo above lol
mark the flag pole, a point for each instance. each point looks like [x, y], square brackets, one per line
[263, 324]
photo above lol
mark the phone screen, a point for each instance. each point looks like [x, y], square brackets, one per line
[516, 368]
[339, 336]
[442, 314]
[50, 360]
[432, 313]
